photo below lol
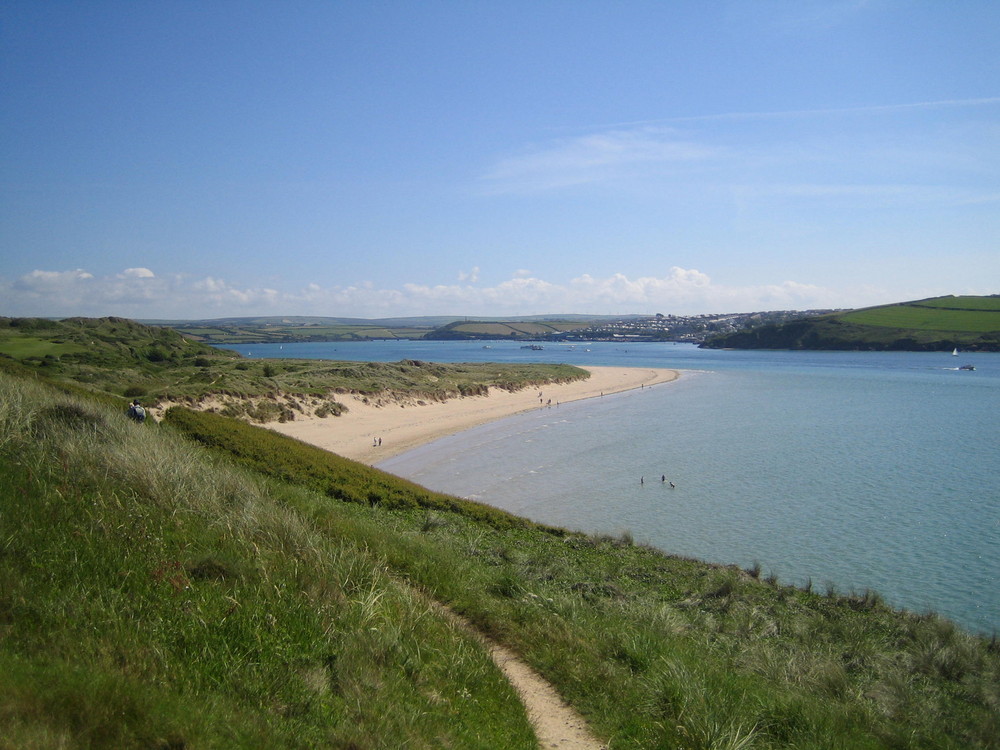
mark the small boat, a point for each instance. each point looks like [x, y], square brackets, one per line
[954, 352]
[967, 367]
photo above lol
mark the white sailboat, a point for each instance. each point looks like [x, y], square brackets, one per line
[955, 352]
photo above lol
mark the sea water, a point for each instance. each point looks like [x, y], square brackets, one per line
[848, 470]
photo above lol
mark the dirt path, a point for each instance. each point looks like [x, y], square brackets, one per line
[555, 723]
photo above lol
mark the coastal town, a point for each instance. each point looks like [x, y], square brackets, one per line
[682, 328]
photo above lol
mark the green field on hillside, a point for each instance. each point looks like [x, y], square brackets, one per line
[960, 314]
[991, 303]
[502, 329]
[936, 324]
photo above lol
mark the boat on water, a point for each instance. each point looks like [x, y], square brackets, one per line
[967, 367]
[533, 347]
[954, 352]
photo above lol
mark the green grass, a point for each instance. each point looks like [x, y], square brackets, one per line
[251, 333]
[31, 347]
[937, 324]
[958, 314]
[153, 597]
[158, 593]
[125, 359]
[290, 460]
[502, 330]
[991, 304]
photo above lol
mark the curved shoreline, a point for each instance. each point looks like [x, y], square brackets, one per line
[403, 426]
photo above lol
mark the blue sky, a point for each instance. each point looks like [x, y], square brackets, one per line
[207, 159]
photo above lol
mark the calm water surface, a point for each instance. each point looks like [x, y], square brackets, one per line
[857, 470]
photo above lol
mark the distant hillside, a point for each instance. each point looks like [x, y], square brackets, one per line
[625, 328]
[293, 328]
[936, 324]
[510, 329]
[257, 321]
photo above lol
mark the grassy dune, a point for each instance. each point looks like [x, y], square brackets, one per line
[123, 359]
[195, 585]
[151, 596]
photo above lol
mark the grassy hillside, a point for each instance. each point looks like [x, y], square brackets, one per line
[123, 359]
[969, 315]
[196, 584]
[937, 324]
[100, 341]
[274, 333]
[261, 330]
[489, 330]
[152, 597]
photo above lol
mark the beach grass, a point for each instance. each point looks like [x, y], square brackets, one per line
[151, 596]
[207, 583]
[122, 359]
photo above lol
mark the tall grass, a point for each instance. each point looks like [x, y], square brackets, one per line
[206, 597]
[153, 597]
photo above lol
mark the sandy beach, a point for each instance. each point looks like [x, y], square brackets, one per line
[401, 426]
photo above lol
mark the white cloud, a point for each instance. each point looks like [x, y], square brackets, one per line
[45, 280]
[472, 276]
[592, 158]
[179, 297]
[138, 273]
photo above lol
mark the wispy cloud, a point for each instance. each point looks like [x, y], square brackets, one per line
[594, 157]
[908, 159]
[787, 114]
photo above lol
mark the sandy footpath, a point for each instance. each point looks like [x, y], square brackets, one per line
[402, 426]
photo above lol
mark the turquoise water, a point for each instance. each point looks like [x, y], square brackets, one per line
[852, 470]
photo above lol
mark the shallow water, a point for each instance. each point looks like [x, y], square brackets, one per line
[856, 470]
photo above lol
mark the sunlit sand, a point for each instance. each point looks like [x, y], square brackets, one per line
[371, 433]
